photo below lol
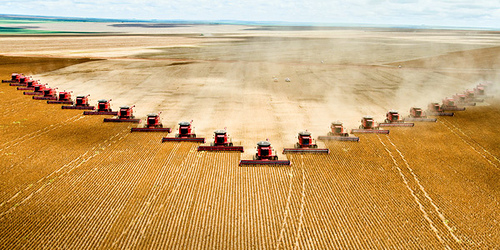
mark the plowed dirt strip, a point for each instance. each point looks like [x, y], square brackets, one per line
[470, 196]
[357, 200]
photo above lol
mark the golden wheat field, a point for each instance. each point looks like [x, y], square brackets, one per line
[71, 181]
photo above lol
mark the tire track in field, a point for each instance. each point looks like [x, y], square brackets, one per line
[420, 202]
[39, 132]
[302, 204]
[286, 214]
[75, 163]
[475, 146]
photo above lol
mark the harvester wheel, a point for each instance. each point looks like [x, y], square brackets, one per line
[314, 146]
[230, 144]
[255, 157]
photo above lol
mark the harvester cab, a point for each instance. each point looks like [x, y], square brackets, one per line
[15, 77]
[103, 105]
[222, 142]
[153, 124]
[392, 116]
[337, 129]
[418, 115]
[265, 155]
[305, 144]
[186, 133]
[49, 92]
[82, 100]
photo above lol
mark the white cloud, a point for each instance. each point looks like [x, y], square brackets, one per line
[443, 12]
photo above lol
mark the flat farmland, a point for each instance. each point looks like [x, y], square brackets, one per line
[72, 181]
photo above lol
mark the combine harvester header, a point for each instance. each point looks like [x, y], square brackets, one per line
[338, 133]
[221, 143]
[392, 119]
[186, 134]
[103, 108]
[306, 144]
[126, 114]
[368, 126]
[153, 124]
[417, 115]
[265, 155]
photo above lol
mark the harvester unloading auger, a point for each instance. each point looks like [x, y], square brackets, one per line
[306, 144]
[418, 115]
[265, 155]
[186, 134]
[81, 103]
[221, 142]
[126, 114]
[367, 126]
[153, 124]
[103, 108]
[338, 133]
[64, 97]
[392, 119]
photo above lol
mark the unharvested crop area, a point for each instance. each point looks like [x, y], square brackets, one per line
[72, 181]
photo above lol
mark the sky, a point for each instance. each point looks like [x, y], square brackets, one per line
[456, 13]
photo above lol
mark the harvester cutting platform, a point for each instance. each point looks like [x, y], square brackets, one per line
[368, 125]
[126, 114]
[417, 115]
[434, 109]
[338, 133]
[306, 144]
[103, 108]
[265, 155]
[450, 105]
[392, 119]
[153, 124]
[186, 133]
[221, 142]
[63, 97]
[82, 103]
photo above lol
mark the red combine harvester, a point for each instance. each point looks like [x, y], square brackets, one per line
[48, 94]
[434, 109]
[63, 97]
[37, 89]
[368, 125]
[306, 145]
[103, 108]
[126, 114]
[14, 78]
[392, 119]
[470, 96]
[461, 99]
[186, 133]
[449, 105]
[418, 115]
[29, 85]
[221, 143]
[81, 103]
[265, 155]
[338, 133]
[479, 90]
[153, 124]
